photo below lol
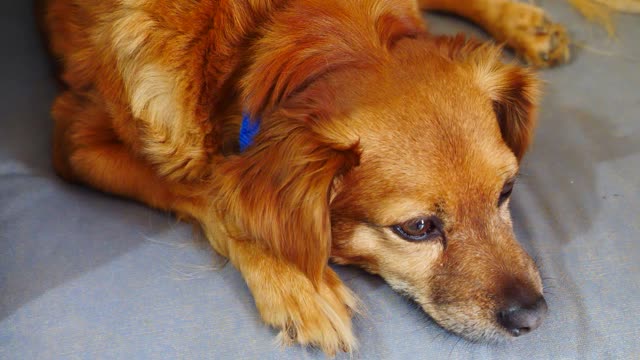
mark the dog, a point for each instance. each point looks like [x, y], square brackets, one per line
[364, 140]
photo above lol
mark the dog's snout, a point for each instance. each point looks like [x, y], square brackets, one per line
[520, 317]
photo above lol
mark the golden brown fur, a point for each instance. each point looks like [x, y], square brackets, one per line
[367, 121]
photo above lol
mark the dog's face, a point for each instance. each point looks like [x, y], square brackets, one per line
[427, 208]
[403, 165]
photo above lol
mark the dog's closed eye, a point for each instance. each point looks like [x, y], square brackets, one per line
[420, 229]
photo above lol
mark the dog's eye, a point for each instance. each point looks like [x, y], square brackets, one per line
[419, 229]
[506, 192]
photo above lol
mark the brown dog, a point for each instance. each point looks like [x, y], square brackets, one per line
[379, 145]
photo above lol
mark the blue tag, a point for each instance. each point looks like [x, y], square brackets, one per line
[248, 131]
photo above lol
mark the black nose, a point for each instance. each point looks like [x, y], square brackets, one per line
[520, 317]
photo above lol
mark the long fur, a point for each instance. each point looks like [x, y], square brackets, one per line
[151, 108]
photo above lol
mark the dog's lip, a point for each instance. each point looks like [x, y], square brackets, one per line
[497, 333]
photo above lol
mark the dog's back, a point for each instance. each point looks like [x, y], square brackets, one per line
[169, 63]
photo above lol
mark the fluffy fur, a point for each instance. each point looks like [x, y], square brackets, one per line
[367, 121]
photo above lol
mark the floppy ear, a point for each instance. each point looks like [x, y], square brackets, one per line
[514, 92]
[515, 102]
[278, 194]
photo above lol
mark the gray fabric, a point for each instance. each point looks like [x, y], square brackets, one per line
[85, 275]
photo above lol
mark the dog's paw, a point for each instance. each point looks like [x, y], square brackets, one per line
[307, 315]
[536, 39]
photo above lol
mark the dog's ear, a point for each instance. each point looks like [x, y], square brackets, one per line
[514, 92]
[312, 38]
[278, 193]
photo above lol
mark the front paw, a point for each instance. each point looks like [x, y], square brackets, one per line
[536, 39]
[317, 316]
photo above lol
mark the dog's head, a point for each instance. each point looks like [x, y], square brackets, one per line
[442, 135]
[399, 154]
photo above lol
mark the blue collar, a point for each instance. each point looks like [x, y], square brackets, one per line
[248, 131]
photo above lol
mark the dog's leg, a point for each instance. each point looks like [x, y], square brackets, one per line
[317, 315]
[86, 150]
[523, 27]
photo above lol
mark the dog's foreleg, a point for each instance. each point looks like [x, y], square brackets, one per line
[317, 315]
[523, 27]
